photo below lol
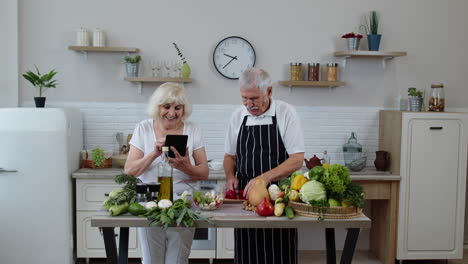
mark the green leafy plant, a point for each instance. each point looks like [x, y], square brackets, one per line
[97, 156]
[41, 81]
[413, 92]
[182, 57]
[132, 60]
[371, 25]
[178, 214]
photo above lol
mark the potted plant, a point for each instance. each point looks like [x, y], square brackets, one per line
[41, 81]
[372, 30]
[132, 65]
[352, 40]
[415, 99]
[185, 71]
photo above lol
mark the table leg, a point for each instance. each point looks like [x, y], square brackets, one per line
[330, 242]
[350, 245]
[109, 242]
[123, 245]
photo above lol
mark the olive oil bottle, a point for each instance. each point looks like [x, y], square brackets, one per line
[165, 176]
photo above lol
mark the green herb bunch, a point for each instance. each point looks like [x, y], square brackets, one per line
[119, 199]
[97, 155]
[178, 214]
[132, 60]
[182, 57]
[321, 206]
[415, 93]
[41, 81]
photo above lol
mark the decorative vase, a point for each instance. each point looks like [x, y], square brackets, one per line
[382, 160]
[415, 104]
[373, 41]
[185, 71]
[132, 69]
[40, 102]
[353, 43]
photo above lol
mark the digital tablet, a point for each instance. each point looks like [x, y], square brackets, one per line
[177, 141]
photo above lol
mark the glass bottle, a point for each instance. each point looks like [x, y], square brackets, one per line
[295, 71]
[165, 176]
[141, 190]
[325, 158]
[437, 99]
[350, 148]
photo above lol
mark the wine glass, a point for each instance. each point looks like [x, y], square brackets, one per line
[167, 65]
[152, 63]
[175, 68]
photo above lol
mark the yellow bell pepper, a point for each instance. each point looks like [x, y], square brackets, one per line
[298, 181]
[293, 196]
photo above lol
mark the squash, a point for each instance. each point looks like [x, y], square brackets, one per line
[258, 192]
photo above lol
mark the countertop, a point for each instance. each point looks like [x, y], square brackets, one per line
[368, 174]
[232, 215]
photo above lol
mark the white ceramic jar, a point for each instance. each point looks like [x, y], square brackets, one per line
[82, 37]
[99, 39]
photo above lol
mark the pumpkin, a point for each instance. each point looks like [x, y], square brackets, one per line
[258, 192]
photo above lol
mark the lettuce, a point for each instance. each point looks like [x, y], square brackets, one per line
[336, 179]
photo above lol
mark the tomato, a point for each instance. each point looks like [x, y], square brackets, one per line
[230, 194]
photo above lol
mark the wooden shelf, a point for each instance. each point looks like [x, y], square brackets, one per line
[102, 49]
[141, 80]
[384, 55]
[311, 83]
[366, 53]
[158, 79]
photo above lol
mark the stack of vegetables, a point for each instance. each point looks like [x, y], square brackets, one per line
[163, 213]
[328, 186]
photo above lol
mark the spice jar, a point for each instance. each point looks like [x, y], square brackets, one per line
[295, 71]
[313, 72]
[332, 72]
[437, 99]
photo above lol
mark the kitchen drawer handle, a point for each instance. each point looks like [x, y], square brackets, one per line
[435, 128]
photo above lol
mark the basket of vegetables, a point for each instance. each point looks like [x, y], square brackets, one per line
[324, 192]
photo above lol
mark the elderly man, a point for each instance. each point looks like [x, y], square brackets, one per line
[264, 140]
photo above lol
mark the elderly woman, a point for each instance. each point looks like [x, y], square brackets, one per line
[169, 109]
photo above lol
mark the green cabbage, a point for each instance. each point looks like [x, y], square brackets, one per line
[312, 191]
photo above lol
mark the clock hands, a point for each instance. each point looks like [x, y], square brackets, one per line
[233, 58]
[230, 56]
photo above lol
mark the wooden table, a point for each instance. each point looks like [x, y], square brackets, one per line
[232, 216]
[382, 194]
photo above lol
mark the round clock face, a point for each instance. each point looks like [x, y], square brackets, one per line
[232, 56]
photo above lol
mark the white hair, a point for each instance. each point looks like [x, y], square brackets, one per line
[168, 93]
[255, 76]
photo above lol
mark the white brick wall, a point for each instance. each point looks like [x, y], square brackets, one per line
[325, 128]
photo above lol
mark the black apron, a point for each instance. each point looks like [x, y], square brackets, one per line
[259, 149]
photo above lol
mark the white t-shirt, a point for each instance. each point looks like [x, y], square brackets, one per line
[144, 139]
[288, 122]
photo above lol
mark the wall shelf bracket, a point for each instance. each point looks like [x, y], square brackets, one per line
[384, 61]
[344, 61]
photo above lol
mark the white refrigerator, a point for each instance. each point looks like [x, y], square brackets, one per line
[39, 149]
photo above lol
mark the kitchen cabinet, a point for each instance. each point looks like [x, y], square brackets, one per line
[429, 152]
[90, 194]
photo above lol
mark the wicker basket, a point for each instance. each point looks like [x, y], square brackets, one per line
[90, 164]
[337, 212]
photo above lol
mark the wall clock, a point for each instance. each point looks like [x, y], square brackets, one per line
[233, 55]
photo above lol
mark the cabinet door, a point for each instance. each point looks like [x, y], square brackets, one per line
[225, 243]
[90, 193]
[90, 242]
[430, 201]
